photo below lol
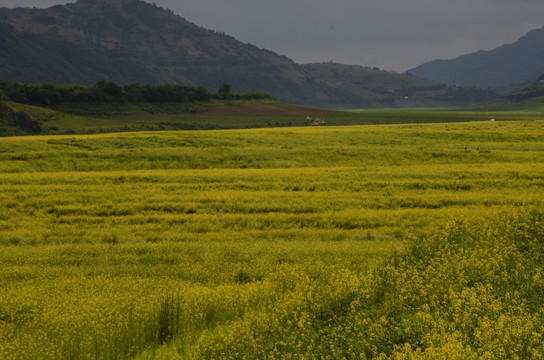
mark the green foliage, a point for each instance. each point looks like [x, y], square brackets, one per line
[257, 95]
[224, 92]
[108, 92]
[17, 122]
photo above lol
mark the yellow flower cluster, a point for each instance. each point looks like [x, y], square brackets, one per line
[274, 244]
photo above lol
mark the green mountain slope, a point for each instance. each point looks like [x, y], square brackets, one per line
[532, 94]
[383, 89]
[33, 59]
[503, 69]
[133, 41]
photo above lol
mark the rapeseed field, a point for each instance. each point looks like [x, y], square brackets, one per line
[419, 241]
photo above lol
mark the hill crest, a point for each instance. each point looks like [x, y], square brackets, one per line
[503, 69]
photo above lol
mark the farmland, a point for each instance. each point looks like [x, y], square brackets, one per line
[405, 241]
[240, 112]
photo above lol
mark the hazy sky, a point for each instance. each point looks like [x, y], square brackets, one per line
[389, 34]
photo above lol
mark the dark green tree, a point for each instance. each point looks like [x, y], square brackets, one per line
[109, 91]
[134, 93]
[224, 91]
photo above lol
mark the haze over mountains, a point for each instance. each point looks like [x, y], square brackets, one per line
[506, 68]
[133, 41]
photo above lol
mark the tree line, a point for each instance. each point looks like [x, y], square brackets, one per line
[109, 92]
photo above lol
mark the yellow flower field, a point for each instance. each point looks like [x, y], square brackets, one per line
[421, 241]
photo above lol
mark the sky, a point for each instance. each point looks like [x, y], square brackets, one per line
[389, 34]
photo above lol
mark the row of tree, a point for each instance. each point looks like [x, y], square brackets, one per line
[109, 92]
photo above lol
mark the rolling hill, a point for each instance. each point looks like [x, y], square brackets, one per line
[128, 41]
[531, 94]
[503, 69]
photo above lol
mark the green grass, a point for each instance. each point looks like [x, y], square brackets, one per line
[218, 116]
[86, 118]
[477, 113]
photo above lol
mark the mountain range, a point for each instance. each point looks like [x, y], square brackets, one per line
[506, 68]
[129, 41]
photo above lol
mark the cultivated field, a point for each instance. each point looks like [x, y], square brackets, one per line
[92, 118]
[418, 241]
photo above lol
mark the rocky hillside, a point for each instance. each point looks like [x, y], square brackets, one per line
[129, 41]
[503, 69]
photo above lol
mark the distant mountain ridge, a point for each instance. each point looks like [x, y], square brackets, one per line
[506, 68]
[133, 41]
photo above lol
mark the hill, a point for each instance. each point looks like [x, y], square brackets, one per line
[380, 88]
[532, 94]
[503, 69]
[129, 41]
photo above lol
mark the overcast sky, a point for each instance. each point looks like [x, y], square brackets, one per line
[390, 34]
